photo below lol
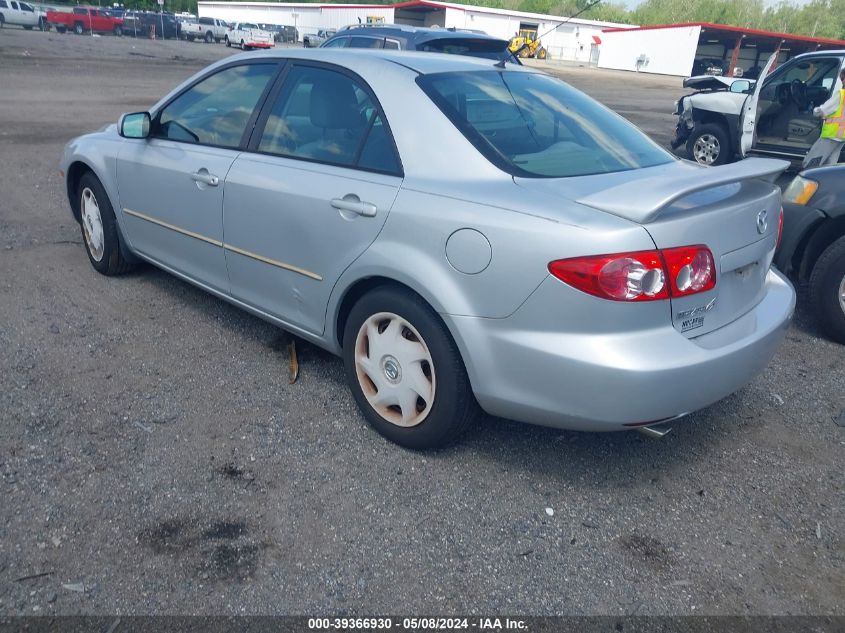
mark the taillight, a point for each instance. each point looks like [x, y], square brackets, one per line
[642, 275]
[690, 269]
[621, 277]
[780, 228]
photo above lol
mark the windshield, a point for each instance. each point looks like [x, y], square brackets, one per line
[474, 47]
[533, 125]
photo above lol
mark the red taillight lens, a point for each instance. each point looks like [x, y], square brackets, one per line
[622, 277]
[780, 228]
[690, 269]
[640, 276]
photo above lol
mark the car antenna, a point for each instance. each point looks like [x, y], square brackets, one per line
[501, 63]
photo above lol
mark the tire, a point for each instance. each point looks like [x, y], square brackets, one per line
[435, 418]
[27, 28]
[827, 290]
[209, 37]
[78, 28]
[541, 54]
[243, 46]
[118, 30]
[228, 43]
[709, 144]
[2, 20]
[103, 253]
[43, 24]
[189, 38]
[61, 29]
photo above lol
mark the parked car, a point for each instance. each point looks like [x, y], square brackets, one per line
[247, 35]
[281, 33]
[770, 117]
[315, 40]
[22, 14]
[565, 270]
[813, 246]
[85, 20]
[207, 29]
[396, 36]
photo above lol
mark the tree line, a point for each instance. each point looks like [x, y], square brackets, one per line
[818, 18]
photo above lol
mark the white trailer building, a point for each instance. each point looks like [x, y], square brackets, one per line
[574, 40]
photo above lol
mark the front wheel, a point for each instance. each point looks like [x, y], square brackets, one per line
[244, 47]
[118, 31]
[709, 144]
[99, 228]
[228, 43]
[405, 371]
[78, 28]
[209, 37]
[827, 290]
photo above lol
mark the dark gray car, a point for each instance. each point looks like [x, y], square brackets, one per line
[412, 38]
[813, 244]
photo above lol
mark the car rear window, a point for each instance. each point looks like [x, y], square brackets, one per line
[533, 125]
[472, 46]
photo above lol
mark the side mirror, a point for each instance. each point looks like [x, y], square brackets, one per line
[741, 85]
[134, 125]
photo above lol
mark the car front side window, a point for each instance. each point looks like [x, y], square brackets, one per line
[216, 110]
[3, 4]
[327, 116]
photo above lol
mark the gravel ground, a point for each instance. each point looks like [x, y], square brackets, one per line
[154, 458]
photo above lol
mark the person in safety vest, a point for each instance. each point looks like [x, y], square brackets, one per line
[825, 151]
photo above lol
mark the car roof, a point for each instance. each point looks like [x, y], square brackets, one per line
[414, 34]
[352, 58]
[840, 52]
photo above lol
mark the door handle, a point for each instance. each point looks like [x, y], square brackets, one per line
[352, 203]
[204, 177]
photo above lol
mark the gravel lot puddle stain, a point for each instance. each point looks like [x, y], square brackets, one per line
[226, 530]
[647, 549]
[199, 542]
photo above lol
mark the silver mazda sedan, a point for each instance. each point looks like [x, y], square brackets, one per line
[467, 235]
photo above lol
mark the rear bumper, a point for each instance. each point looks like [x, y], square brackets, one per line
[610, 381]
[259, 44]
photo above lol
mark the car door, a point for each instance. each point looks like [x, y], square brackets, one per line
[310, 195]
[15, 16]
[28, 15]
[748, 117]
[171, 184]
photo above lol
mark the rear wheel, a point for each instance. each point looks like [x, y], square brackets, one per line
[243, 46]
[709, 145]
[2, 20]
[78, 28]
[99, 227]
[405, 371]
[827, 290]
[228, 43]
[118, 30]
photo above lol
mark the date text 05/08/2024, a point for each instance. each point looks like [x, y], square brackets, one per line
[417, 624]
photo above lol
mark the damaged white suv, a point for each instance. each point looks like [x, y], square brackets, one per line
[727, 119]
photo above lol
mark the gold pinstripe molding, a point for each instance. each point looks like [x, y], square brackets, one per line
[228, 247]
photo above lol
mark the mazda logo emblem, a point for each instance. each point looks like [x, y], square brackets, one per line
[762, 221]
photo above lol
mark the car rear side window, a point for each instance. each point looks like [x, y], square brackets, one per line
[391, 44]
[14, 4]
[533, 125]
[216, 110]
[206, 21]
[474, 47]
[338, 42]
[366, 42]
[327, 116]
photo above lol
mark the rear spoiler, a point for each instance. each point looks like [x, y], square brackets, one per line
[642, 200]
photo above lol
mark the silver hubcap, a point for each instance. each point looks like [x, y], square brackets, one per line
[842, 294]
[92, 224]
[394, 369]
[706, 149]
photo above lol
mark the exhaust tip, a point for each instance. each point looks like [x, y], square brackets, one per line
[655, 432]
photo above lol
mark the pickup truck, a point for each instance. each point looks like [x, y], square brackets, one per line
[22, 14]
[207, 29]
[315, 40]
[85, 19]
[247, 35]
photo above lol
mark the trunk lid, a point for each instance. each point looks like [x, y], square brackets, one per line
[732, 209]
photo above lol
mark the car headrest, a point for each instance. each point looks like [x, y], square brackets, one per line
[333, 104]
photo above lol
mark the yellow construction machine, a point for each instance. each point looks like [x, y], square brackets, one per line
[527, 44]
